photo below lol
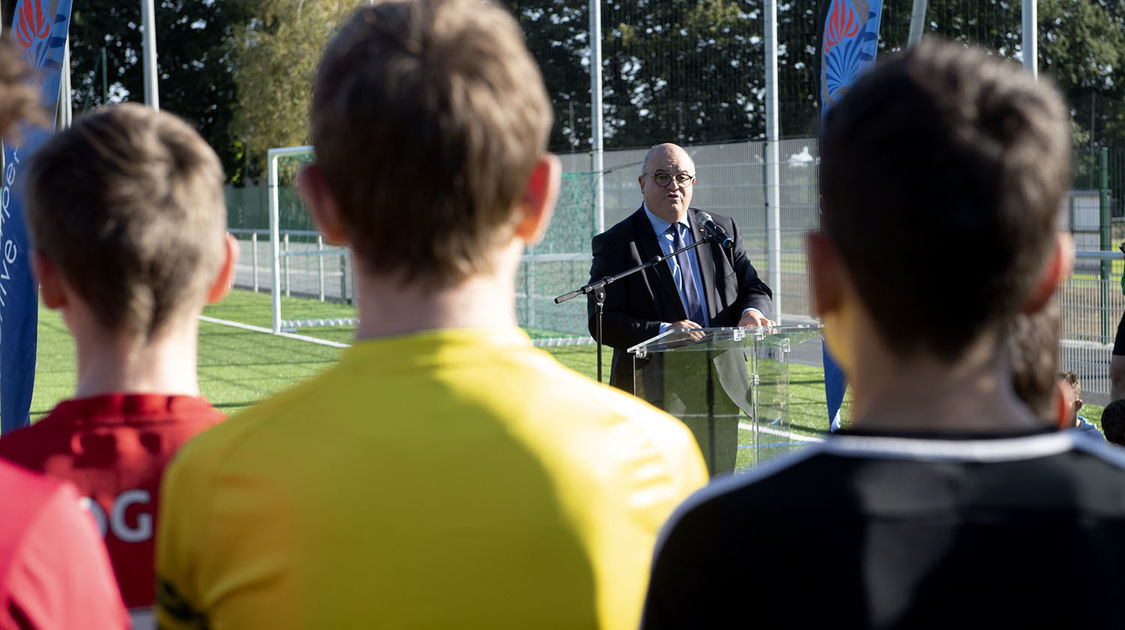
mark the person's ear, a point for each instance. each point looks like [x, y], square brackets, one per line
[1078, 404]
[325, 211]
[51, 284]
[224, 280]
[1059, 264]
[539, 196]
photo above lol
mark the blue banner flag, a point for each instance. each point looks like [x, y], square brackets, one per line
[40, 30]
[851, 37]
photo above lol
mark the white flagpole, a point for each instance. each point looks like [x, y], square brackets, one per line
[1031, 37]
[148, 19]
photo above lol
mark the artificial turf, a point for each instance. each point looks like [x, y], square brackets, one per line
[238, 367]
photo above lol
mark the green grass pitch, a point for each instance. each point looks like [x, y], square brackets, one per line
[240, 367]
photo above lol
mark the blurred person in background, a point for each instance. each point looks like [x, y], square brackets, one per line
[1033, 344]
[1070, 389]
[1113, 422]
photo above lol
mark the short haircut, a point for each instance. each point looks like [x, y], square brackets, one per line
[942, 175]
[128, 205]
[1071, 380]
[1113, 422]
[1034, 346]
[428, 116]
[18, 99]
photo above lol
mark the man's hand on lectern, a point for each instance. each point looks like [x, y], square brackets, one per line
[753, 318]
[689, 329]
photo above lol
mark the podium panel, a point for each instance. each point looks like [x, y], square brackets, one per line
[730, 386]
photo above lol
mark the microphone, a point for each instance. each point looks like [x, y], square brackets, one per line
[715, 231]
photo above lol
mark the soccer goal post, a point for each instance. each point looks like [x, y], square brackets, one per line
[306, 273]
[313, 284]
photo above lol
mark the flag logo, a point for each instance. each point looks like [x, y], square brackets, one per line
[851, 35]
[841, 25]
[33, 30]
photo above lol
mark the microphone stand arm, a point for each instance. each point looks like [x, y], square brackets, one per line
[598, 289]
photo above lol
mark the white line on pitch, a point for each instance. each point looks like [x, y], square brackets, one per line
[323, 342]
[795, 436]
[335, 344]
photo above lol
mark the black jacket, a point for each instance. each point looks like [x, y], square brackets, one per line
[635, 306]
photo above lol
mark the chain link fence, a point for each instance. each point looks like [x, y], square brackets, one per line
[730, 181]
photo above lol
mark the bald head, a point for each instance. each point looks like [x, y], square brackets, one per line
[667, 202]
[663, 151]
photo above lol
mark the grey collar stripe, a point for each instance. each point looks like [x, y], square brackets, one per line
[967, 450]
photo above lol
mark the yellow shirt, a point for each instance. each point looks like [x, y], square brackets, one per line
[446, 479]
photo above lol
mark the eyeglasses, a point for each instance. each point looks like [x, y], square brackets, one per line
[664, 180]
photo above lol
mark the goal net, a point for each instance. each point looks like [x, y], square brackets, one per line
[558, 264]
[313, 283]
[320, 276]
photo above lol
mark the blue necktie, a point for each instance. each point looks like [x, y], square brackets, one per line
[692, 304]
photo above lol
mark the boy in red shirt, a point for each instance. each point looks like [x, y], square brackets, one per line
[128, 224]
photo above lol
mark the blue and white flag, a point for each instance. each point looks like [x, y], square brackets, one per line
[40, 29]
[851, 37]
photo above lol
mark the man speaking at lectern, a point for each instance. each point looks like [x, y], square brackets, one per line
[709, 286]
[722, 288]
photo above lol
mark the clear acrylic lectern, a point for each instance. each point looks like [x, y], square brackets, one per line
[730, 386]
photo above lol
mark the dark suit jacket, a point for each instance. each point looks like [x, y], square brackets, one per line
[635, 306]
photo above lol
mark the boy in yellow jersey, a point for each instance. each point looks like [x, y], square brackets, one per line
[445, 473]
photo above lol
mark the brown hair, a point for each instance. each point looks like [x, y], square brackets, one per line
[1071, 380]
[427, 118]
[1113, 422]
[128, 205]
[1034, 346]
[18, 99]
[942, 174]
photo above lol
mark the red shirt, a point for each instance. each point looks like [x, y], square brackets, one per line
[54, 572]
[114, 447]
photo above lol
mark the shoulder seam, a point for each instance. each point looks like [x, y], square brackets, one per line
[724, 485]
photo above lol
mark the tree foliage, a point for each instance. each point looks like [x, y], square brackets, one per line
[1081, 47]
[557, 32]
[693, 70]
[686, 70]
[278, 52]
[691, 64]
[194, 61]
[670, 69]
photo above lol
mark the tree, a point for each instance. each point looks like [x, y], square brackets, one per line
[670, 70]
[684, 72]
[690, 71]
[1081, 46]
[557, 33]
[694, 69]
[194, 62]
[276, 59]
